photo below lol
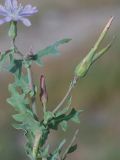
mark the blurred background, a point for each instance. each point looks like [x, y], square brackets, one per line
[98, 94]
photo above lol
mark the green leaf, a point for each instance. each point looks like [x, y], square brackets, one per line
[76, 117]
[19, 126]
[25, 116]
[50, 50]
[64, 125]
[54, 123]
[19, 102]
[22, 83]
[19, 117]
[3, 60]
[48, 116]
[56, 154]
[28, 123]
[72, 148]
[16, 68]
[44, 152]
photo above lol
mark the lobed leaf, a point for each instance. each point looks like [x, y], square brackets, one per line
[50, 50]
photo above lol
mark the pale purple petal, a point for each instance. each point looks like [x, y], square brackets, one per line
[14, 11]
[8, 3]
[28, 10]
[5, 20]
[26, 22]
[15, 3]
[3, 11]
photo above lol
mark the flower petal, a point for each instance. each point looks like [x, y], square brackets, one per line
[15, 3]
[8, 3]
[5, 20]
[28, 10]
[3, 11]
[26, 22]
[16, 12]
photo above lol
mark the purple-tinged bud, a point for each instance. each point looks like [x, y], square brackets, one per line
[43, 91]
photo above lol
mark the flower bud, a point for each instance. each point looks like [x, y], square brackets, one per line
[43, 91]
[83, 67]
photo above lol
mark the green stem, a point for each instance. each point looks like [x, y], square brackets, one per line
[70, 145]
[36, 146]
[72, 85]
[31, 85]
[37, 134]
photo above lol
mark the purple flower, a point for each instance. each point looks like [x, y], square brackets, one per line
[12, 11]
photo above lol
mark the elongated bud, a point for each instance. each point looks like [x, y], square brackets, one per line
[43, 91]
[83, 67]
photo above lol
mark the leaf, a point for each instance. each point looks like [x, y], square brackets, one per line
[64, 125]
[72, 148]
[56, 154]
[48, 116]
[44, 152]
[16, 68]
[19, 117]
[27, 122]
[18, 101]
[25, 116]
[53, 123]
[22, 83]
[3, 60]
[76, 117]
[50, 50]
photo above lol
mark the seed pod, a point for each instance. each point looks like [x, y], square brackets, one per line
[43, 91]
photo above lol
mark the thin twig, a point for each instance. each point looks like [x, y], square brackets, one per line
[72, 85]
[71, 143]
